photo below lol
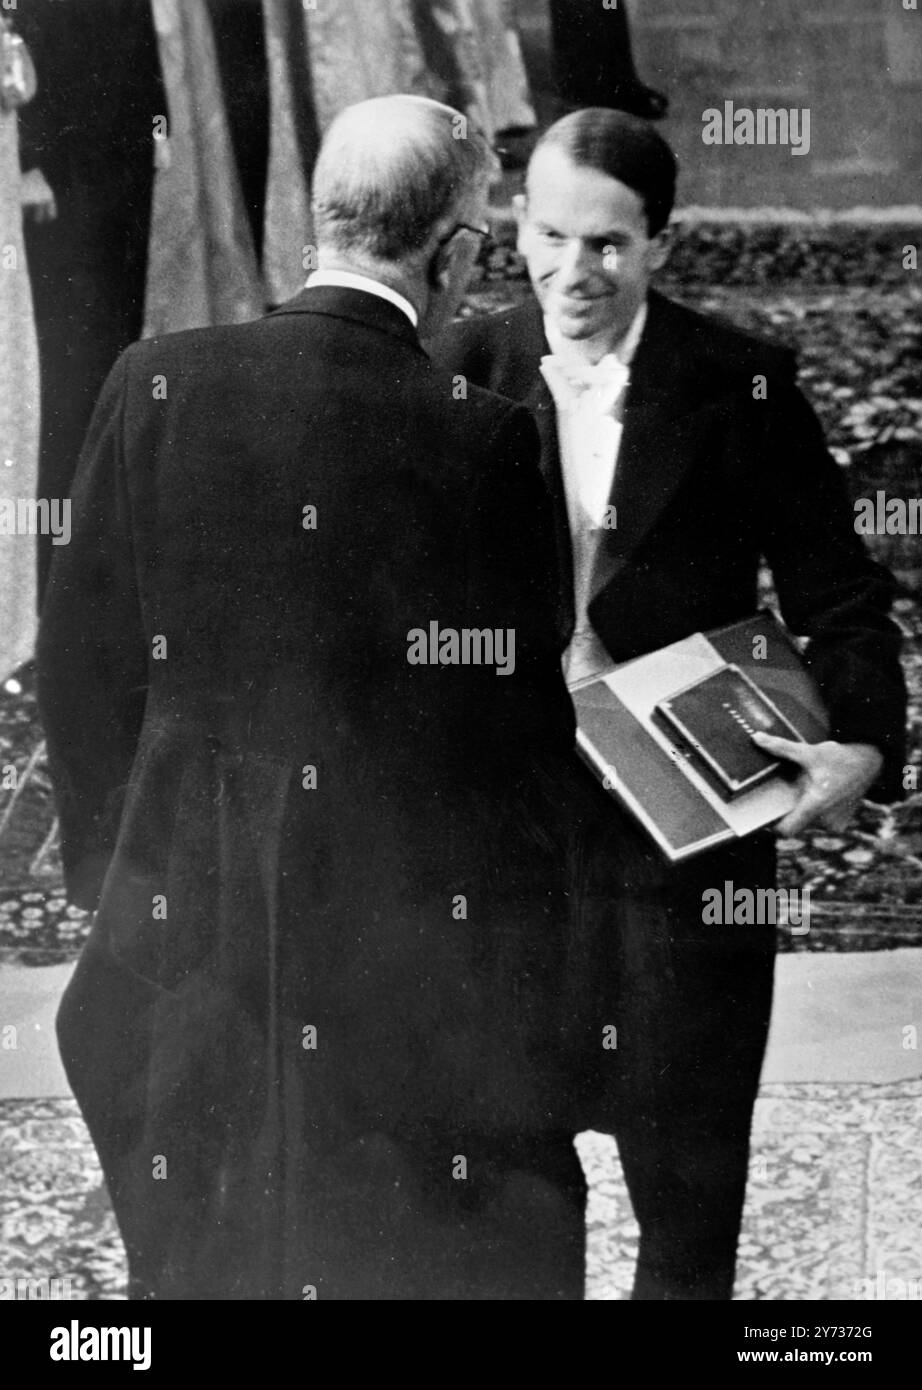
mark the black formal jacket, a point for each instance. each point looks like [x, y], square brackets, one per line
[287, 826]
[709, 480]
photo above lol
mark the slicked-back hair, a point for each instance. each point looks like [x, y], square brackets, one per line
[390, 170]
[626, 148]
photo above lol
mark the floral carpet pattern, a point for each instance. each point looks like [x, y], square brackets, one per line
[56, 1222]
[834, 1206]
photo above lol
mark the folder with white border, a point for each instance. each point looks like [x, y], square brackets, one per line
[653, 775]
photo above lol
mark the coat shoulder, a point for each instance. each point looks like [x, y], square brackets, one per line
[487, 411]
[194, 345]
[517, 321]
[500, 350]
[719, 346]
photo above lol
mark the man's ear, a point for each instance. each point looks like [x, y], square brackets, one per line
[438, 273]
[659, 249]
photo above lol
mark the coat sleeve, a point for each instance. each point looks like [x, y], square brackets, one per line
[464, 349]
[92, 654]
[829, 589]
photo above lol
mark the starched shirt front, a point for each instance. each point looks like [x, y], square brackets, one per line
[589, 402]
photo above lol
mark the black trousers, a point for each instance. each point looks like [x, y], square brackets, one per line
[676, 1080]
[89, 129]
[593, 62]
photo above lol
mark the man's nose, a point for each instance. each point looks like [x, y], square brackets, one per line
[579, 260]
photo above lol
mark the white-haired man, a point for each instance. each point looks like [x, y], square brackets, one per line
[316, 1032]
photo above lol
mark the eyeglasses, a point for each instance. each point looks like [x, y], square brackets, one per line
[485, 234]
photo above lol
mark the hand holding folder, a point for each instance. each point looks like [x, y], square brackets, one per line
[670, 733]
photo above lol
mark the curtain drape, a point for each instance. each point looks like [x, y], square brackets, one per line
[202, 266]
[19, 403]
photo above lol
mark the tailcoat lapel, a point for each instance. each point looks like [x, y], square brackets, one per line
[665, 427]
[541, 404]
[664, 430]
[519, 344]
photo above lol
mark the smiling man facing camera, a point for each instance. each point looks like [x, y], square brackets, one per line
[677, 452]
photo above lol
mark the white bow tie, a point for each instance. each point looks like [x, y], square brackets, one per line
[571, 384]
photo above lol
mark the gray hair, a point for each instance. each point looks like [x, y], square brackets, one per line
[390, 170]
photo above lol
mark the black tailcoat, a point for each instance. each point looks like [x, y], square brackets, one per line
[331, 931]
[710, 478]
[722, 462]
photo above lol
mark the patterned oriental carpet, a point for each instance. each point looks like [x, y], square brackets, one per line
[834, 1207]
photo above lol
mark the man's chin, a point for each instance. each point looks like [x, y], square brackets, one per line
[606, 322]
[583, 319]
[579, 327]
[582, 325]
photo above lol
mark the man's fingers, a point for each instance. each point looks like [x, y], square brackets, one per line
[807, 810]
[788, 748]
[794, 822]
[840, 813]
[814, 810]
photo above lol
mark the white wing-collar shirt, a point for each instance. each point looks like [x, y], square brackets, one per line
[348, 280]
[589, 401]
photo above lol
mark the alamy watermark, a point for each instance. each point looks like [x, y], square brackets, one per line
[76, 1343]
[36, 516]
[466, 646]
[889, 1288]
[766, 125]
[881, 515]
[762, 907]
[41, 1290]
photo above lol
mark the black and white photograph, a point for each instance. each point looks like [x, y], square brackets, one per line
[461, 661]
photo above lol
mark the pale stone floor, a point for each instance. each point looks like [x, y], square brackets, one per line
[834, 1208]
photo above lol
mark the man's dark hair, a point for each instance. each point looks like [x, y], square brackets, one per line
[626, 148]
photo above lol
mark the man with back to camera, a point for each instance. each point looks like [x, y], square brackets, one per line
[677, 452]
[316, 1032]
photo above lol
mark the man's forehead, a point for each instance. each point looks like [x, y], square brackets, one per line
[584, 199]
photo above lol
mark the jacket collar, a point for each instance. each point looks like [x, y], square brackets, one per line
[665, 426]
[659, 443]
[666, 339]
[355, 306]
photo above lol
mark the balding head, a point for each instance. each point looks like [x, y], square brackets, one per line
[391, 172]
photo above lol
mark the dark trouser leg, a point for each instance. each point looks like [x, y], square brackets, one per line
[691, 1003]
[397, 1217]
[684, 1140]
[593, 62]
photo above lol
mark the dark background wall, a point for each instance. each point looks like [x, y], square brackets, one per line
[856, 64]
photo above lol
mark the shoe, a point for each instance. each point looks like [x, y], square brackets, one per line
[639, 100]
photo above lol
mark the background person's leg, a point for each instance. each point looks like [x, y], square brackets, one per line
[593, 63]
